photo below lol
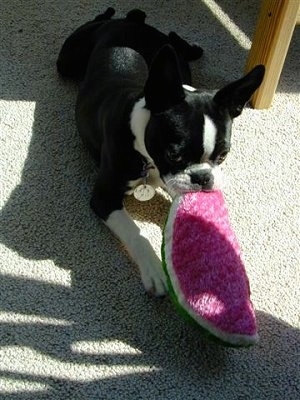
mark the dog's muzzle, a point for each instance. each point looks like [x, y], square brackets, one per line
[202, 175]
[205, 179]
[193, 179]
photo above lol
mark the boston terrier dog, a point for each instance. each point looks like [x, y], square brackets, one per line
[146, 128]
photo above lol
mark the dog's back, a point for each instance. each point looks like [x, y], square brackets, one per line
[132, 32]
[114, 65]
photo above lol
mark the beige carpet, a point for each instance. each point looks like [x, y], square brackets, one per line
[74, 321]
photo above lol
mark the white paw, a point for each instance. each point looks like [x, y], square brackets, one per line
[153, 276]
[140, 250]
[150, 266]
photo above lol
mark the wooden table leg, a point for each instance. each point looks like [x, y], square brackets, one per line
[274, 30]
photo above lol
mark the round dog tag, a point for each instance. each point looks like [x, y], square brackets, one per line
[144, 192]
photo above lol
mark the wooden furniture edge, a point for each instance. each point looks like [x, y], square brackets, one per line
[274, 30]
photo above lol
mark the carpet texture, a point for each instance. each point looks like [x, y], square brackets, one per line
[75, 322]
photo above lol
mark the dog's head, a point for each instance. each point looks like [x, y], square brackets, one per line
[189, 132]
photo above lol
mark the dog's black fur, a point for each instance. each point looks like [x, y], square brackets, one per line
[132, 32]
[138, 119]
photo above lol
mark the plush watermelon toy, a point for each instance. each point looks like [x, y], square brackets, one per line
[205, 273]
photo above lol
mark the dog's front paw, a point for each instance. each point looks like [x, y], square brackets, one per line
[140, 250]
[151, 269]
[153, 277]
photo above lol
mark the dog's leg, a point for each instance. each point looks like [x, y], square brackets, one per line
[188, 51]
[136, 15]
[107, 203]
[110, 12]
[76, 50]
[140, 250]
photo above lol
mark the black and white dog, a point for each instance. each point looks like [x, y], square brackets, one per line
[143, 125]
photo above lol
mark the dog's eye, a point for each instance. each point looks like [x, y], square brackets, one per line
[177, 159]
[174, 158]
[222, 157]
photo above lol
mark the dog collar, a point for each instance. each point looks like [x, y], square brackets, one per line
[146, 167]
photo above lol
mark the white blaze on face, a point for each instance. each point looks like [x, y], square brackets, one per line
[209, 136]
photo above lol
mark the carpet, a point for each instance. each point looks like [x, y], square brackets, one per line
[75, 322]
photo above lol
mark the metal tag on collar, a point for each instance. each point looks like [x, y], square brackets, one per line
[189, 88]
[144, 192]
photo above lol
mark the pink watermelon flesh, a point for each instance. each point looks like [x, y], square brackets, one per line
[207, 274]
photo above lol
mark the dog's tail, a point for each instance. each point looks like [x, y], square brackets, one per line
[76, 50]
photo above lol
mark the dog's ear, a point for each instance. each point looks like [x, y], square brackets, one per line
[234, 96]
[163, 88]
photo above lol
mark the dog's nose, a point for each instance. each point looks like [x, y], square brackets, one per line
[202, 178]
